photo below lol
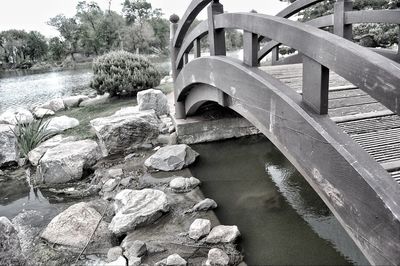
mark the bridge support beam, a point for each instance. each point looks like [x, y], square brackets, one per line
[250, 49]
[315, 85]
[197, 48]
[216, 37]
[340, 28]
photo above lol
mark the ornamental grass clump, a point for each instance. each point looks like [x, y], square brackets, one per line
[123, 74]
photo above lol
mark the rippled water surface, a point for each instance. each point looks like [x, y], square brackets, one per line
[281, 218]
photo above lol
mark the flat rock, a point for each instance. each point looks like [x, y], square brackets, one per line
[12, 117]
[181, 184]
[99, 99]
[110, 185]
[9, 152]
[121, 261]
[204, 205]
[135, 248]
[74, 101]
[114, 253]
[36, 154]
[125, 131]
[41, 112]
[172, 158]
[223, 234]
[199, 228]
[61, 123]
[217, 257]
[55, 105]
[137, 208]
[73, 228]
[172, 260]
[10, 249]
[153, 100]
[68, 161]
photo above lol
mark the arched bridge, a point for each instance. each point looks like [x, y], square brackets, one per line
[334, 114]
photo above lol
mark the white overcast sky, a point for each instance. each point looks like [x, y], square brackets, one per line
[33, 14]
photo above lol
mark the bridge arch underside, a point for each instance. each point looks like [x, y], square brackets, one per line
[360, 193]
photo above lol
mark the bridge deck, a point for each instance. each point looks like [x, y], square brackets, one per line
[375, 128]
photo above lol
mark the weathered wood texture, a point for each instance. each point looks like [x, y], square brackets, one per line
[361, 194]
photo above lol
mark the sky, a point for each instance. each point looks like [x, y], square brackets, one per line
[33, 14]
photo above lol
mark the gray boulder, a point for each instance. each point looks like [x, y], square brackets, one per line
[68, 161]
[172, 158]
[199, 228]
[55, 105]
[10, 248]
[204, 205]
[121, 261]
[133, 248]
[36, 154]
[181, 184]
[9, 153]
[61, 123]
[73, 228]
[135, 208]
[12, 117]
[74, 101]
[223, 234]
[41, 112]
[153, 100]
[217, 257]
[125, 130]
[172, 260]
[99, 99]
[114, 253]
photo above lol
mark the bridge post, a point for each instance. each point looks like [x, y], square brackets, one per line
[179, 106]
[250, 49]
[340, 28]
[186, 58]
[315, 85]
[275, 55]
[216, 37]
[197, 48]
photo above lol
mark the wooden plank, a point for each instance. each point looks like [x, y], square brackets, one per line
[340, 27]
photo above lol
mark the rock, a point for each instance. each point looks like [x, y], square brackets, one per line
[12, 117]
[55, 105]
[68, 161]
[223, 234]
[137, 208]
[135, 248]
[61, 123]
[41, 112]
[9, 152]
[73, 228]
[181, 184]
[176, 260]
[204, 205]
[110, 185]
[217, 257]
[126, 131]
[74, 101]
[10, 249]
[134, 261]
[114, 253]
[199, 228]
[153, 100]
[36, 154]
[172, 158]
[100, 99]
[121, 261]
[115, 172]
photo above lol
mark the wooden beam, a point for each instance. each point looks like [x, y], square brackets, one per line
[197, 48]
[340, 27]
[216, 37]
[315, 85]
[250, 49]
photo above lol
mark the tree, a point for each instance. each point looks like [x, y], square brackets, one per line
[89, 17]
[57, 49]
[36, 46]
[69, 31]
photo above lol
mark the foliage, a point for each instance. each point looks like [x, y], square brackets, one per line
[123, 73]
[30, 135]
[56, 49]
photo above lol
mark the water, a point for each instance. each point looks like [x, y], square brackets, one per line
[281, 218]
[25, 91]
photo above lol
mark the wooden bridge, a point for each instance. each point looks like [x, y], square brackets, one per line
[332, 108]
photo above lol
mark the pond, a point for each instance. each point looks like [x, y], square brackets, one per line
[282, 220]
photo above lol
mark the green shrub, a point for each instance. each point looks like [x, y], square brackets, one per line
[123, 73]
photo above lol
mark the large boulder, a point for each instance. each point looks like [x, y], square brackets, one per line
[172, 158]
[125, 130]
[61, 123]
[41, 112]
[199, 228]
[68, 161]
[10, 248]
[137, 208]
[99, 99]
[223, 234]
[55, 105]
[217, 257]
[181, 184]
[36, 154]
[9, 153]
[73, 228]
[12, 117]
[153, 100]
[74, 101]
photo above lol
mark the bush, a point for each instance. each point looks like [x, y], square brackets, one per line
[123, 73]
